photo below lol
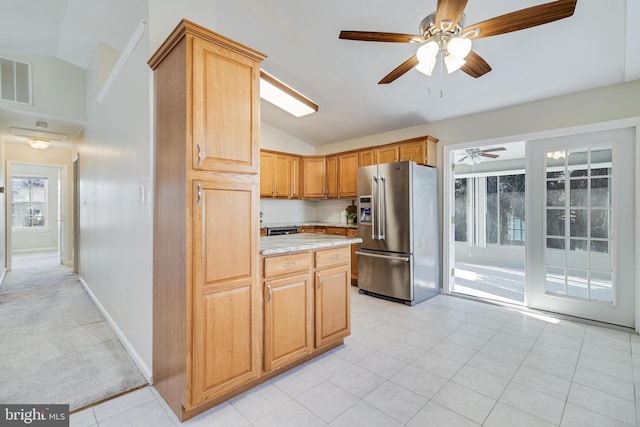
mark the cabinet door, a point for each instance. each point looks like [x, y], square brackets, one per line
[295, 177]
[366, 158]
[282, 187]
[332, 176]
[414, 151]
[267, 174]
[225, 109]
[224, 324]
[288, 333]
[387, 154]
[336, 231]
[314, 171]
[347, 175]
[332, 296]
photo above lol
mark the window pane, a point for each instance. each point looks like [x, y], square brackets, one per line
[600, 193]
[29, 202]
[460, 214]
[579, 192]
[555, 222]
[601, 286]
[512, 209]
[600, 223]
[555, 193]
[492, 210]
[578, 222]
[577, 283]
[555, 280]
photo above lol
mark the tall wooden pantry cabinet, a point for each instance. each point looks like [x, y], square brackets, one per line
[206, 317]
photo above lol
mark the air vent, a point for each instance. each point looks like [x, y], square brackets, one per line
[15, 81]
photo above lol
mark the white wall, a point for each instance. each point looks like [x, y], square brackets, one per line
[115, 169]
[53, 80]
[272, 138]
[35, 240]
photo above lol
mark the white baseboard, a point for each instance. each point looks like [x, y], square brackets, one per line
[146, 371]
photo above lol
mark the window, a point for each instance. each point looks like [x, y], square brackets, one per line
[29, 202]
[497, 202]
[15, 81]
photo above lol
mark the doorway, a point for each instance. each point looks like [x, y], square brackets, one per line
[489, 222]
[575, 234]
[35, 213]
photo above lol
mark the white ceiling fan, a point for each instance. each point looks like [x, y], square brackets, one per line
[475, 155]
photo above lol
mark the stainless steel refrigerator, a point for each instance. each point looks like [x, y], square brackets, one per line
[398, 258]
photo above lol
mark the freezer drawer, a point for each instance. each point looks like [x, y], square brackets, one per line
[385, 274]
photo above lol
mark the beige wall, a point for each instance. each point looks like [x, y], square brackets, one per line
[592, 106]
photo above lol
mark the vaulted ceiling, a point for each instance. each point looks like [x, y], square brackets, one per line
[595, 47]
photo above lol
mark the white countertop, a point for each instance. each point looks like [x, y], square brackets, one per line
[302, 242]
[308, 224]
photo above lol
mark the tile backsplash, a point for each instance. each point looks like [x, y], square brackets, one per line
[280, 211]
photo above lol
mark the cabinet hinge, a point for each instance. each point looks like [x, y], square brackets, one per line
[453, 167]
[453, 272]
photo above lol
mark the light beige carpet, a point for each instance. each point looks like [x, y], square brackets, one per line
[55, 346]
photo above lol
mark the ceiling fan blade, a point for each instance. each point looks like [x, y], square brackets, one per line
[451, 10]
[400, 70]
[524, 18]
[372, 36]
[491, 156]
[462, 159]
[488, 150]
[475, 65]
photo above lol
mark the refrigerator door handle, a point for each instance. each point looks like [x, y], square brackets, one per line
[382, 207]
[399, 258]
[374, 198]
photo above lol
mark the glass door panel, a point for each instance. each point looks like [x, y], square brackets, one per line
[584, 263]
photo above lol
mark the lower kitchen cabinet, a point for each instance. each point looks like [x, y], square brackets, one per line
[332, 297]
[306, 305]
[332, 294]
[288, 333]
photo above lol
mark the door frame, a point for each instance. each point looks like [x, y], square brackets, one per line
[447, 230]
[63, 198]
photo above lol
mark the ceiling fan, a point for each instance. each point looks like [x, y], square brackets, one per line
[444, 33]
[474, 155]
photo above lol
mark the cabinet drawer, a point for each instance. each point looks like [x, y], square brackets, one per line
[287, 264]
[352, 232]
[336, 231]
[332, 257]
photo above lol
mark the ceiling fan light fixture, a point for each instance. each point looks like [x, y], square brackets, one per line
[428, 52]
[459, 47]
[452, 63]
[426, 67]
[39, 144]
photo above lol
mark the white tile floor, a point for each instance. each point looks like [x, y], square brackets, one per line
[445, 362]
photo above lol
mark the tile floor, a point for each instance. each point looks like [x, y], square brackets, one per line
[446, 362]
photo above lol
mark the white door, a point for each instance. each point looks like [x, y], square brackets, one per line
[580, 221]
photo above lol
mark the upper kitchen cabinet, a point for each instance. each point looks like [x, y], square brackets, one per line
[314, 182]
[219, 84]
[421, 150]
[387, 154]
[275, 175]
[347, 174]
[366, 157]
[332, 177]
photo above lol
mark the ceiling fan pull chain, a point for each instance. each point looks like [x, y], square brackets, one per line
[441, 72]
